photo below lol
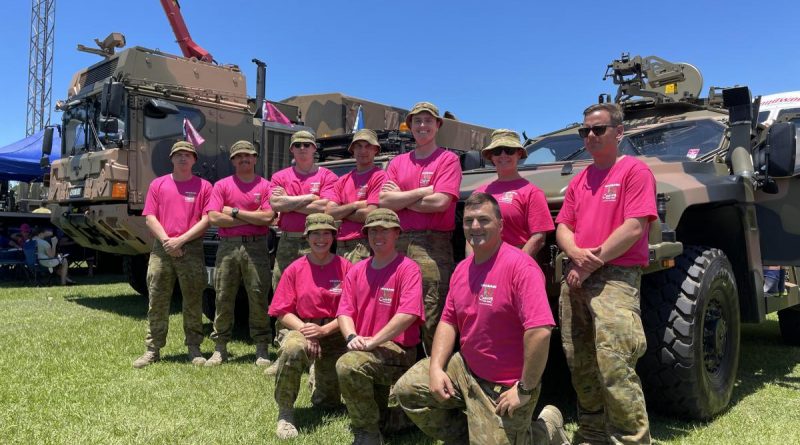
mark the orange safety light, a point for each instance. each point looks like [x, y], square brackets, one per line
[119, 190]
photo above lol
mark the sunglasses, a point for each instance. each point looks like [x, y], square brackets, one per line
[302, 145]
[598, 130]
[500, 150]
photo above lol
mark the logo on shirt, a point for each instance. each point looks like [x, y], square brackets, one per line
[386, 295]
[257, 198]
[508, 197]
[487, 294]
[314, 188]
[425, 179]
[610, 192]
[336, 286]
[189, 196]
[362, 192]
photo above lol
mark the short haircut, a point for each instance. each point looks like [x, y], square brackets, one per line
[613, 110]
[478, 199]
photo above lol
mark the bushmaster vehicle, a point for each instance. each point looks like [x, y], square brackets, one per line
[728, 198]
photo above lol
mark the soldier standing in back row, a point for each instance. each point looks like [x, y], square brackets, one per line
[422, 187]
[174, 213]
[240, 208]
[603, 227]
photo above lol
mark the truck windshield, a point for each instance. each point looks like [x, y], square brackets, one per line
[552, 149]
[85, 129]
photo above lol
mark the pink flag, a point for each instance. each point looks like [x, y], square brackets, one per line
[191, 134]
[272, 114]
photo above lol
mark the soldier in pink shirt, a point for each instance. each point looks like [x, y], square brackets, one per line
[380, 313]
[497, 309]
[174, 212]
[526, 218]
[423, 187]
[357, 194]
[603, 228]
[240, 208]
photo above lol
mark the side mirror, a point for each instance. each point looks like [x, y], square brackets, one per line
[112, 99]
[159, 108]
[47, 141]
[779, 157]
[472, 160]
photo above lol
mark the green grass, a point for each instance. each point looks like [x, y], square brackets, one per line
[66, 377]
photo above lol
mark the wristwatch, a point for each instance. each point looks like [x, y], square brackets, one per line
[350, 338]
[522, 390]
[234, 212]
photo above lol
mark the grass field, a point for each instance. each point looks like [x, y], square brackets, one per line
[66, 377]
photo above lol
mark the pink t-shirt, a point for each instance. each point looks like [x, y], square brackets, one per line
[354, 187]
[598, 201]
[523, 207]
[441, 170]
[371, 297]
[177, 205]
[308, 290]
[250, 196]
[319, 183]
[492, 305]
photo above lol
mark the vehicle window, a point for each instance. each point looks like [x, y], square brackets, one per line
[762, 116]
[552, 149]
[787, 111]
[341, 170]
[171, 125]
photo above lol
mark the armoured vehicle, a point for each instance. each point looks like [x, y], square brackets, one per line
[728, 197]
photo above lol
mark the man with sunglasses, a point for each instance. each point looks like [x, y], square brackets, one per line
[240, 208]
[603, 228]
[526, 218]
[357, 194]
[422, 187]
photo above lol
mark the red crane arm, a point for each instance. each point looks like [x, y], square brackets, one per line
[188, 46]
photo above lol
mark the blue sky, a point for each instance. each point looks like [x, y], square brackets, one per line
[525, 65]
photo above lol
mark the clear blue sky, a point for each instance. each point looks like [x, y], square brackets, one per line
[527, 65]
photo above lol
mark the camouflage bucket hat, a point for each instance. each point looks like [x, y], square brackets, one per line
[243, 147]
[367, 136]
[303, 136]
[319, 221]
[421, 107]
[503, 138]
[182, 146]
[381, 218]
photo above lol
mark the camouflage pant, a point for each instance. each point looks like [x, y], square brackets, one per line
[293, 362]
[365, 379]
[433, 252]
[469, 414]
[353, 250]
[190, 271]
[602, 334]
[289, 249]
[247, 263]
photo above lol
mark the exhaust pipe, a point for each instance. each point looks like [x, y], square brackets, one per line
[261, 87]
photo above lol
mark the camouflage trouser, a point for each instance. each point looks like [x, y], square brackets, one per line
[365, 379]
[242, 262]
[468, 416]
[433, 251]
[290, 248]
[353, 250]
[162, 270]
[602, 334]
[293, 362]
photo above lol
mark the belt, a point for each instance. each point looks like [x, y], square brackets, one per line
[492, 389]
[292, 234]
[319, 321]
[244, 238]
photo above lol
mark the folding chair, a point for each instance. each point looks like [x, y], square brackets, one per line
[35, 271]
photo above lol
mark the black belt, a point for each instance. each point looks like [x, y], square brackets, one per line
[319, 321]
[245, 238]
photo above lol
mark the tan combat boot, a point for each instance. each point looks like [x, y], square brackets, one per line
[196, 356]
[286, 428]
[262, 355]
[554, 422]
[220, 355]
[148, 358]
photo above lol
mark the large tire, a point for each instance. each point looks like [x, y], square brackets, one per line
[135, 269]
[691, 319]
[789, 322]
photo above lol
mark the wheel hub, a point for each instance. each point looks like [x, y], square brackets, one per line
[715, 335]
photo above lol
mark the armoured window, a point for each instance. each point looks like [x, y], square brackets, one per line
[159, 125]
[552, 149]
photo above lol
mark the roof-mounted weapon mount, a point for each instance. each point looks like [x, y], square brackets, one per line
[654, 79]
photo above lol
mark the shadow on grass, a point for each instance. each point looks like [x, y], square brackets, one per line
[131, 305]
[18, 279]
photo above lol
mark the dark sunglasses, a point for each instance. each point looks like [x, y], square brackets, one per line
[302, 144]
[497, 151]
[598, 130]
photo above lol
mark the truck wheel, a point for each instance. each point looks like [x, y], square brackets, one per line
[789, 322]
[691, 319]
[135, 269]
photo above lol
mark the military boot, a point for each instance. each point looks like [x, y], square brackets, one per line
[554, 422]
[272, 369]
[196, 356]
[367, 437]
[149, 357]
[262, 355]
[220, 355]
[286, 428]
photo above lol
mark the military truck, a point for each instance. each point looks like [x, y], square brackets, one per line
[728, 196]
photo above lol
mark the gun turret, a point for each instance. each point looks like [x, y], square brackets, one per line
[654, 78]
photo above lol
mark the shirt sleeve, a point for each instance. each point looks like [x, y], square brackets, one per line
[567, 213]
[374, 188]
[449, 311]
[151, 201]
[338, 190]
[285, 299]
[277, 181]
[215, 202]
[346, 303]
[640, 194]
[411, 291]
[328, 180]
[530, 296]
[391, 170]
[448, 176]
[539, 219]
[265, 196]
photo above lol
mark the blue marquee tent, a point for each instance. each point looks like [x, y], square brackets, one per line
[19, 161]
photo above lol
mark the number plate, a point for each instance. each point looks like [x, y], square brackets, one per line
[76, 192]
